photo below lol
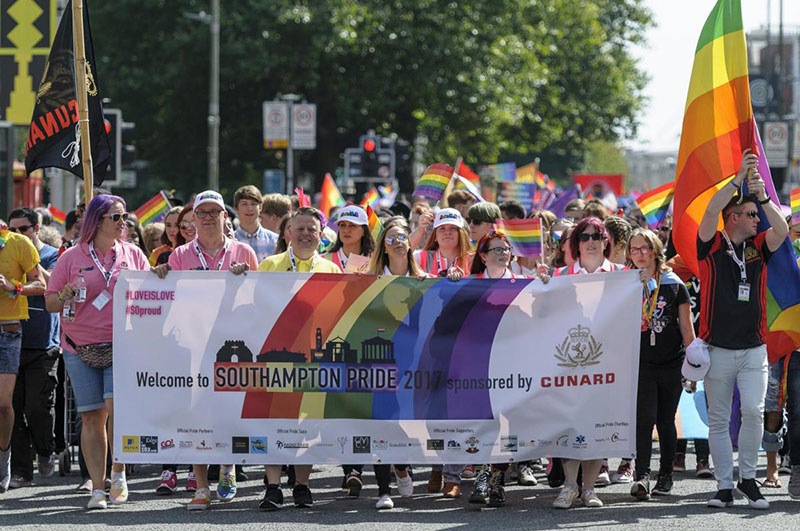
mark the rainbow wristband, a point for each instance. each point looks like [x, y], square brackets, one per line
[16, 292]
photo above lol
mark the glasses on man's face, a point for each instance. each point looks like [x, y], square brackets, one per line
[752, 214]
[185, 225]
[474, 221]
[204, 214]
[585, 237]
[664, 229]
[499, 251]
[402, 238]
[116, 216]
[644, 251]
[21, 228]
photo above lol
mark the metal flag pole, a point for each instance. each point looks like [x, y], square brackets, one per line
[83, 99]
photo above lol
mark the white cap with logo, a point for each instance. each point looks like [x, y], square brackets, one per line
[209, 196]
[352, 213]
[448, 216]
[697, 361]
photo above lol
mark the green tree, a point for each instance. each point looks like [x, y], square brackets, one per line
[482, 80]
[604, 157]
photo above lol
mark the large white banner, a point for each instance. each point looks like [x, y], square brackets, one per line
[298, 368]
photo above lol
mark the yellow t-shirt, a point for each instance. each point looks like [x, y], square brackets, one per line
[282, 262]
[17, 257]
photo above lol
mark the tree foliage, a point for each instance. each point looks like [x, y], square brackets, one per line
[482, 80]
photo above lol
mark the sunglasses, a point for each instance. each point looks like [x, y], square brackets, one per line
[185, 225]
[752, 214]
[21, 228]
[475, 221]
[402, 238]
[665, 229]
[117, 216]
[585, 237]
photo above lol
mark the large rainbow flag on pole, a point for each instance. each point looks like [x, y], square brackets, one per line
[525, 235]
[655, 203]
[794, 201]
[434, 181]
[717, 125]
[331, 197]
[151, 211]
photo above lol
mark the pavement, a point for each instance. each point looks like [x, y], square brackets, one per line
[52, 504]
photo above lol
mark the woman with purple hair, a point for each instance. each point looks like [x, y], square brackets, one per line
[81, 288]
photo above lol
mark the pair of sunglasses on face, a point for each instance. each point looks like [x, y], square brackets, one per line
[596, 236]
[118, 216]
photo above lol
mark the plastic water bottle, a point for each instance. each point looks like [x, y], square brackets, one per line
[80, 285]
[68, 311]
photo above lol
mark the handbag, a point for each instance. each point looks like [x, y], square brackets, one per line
[95, 355]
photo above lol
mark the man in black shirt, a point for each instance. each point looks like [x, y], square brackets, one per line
[733, 287]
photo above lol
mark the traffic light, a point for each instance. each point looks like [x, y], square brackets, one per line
[113, 123]
[369, 154]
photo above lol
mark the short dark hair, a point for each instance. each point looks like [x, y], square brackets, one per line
[309, 211]
[71, 219]
[513, 209]
[25, 212]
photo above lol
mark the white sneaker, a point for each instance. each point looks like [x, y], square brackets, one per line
[405, 486]
[568, 494]
[590, 499]
[119, 491]
[97, 500]
[385, 502]
[603, 477]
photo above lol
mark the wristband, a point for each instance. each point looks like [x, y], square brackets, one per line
[765, 201]
[17, 291]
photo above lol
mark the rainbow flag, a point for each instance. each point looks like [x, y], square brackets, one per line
[466, 173]
[794, 201]
[331, 197]
[370, 197]
[374, 223]
[156, 207]
[525, 235]
[434, 180]
[58, 216]
[655, 203]
[717, 125]
[527, 173]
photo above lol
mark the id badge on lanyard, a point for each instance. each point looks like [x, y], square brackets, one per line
[105, 297]
[744, 286]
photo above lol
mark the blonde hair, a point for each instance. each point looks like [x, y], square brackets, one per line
[380, 259]
[655, 245]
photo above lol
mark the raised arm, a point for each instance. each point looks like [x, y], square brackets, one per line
[708, 226]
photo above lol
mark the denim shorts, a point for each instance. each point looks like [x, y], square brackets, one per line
[10, 347]
[774, 386]
[90, 386]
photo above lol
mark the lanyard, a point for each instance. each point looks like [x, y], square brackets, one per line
[441, 261]
[732, 253]
[342, 259]
[106, 273]
[649, 306]
[294, 264]
[202, 258]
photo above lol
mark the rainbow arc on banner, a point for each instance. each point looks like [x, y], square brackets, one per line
[331, 197]
[58, 216]
[525, 235]
[794, 202]
[434, 181]
[153, 209]
[655, 203]
[373, 222]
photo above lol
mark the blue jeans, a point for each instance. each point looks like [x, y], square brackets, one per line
[10, 347]
[793, 406]
[90, 386]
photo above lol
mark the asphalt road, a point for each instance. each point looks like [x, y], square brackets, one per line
[52, 504]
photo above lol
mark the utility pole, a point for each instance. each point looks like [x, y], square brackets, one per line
[290, 100]
[213, 102]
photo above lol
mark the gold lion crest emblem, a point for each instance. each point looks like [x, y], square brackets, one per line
[579, 349]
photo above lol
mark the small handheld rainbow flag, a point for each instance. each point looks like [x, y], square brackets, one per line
[58, 216]
[374, 223]
[153, 209]
[525, 235]
[370, 197]
[655, 203]
[331, 196]
[434, 180]
[794, 201]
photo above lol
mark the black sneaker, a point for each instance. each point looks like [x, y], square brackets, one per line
[497, 494]
[241, 475]
[749, 489]
[273, 499]
[353, 484]
[663, 485]
[302, 496]
[480, 493]
[641, 488]
[344, 483]
[723, 498]
[290, 476]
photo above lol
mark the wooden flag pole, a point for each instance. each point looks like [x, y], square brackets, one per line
[83, 99]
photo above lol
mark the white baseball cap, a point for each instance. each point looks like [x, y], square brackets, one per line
[353, 214]
[209, 196]
[448, 216]
[697, 361]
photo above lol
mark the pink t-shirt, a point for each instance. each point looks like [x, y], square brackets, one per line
[92, 325]
[185, 257]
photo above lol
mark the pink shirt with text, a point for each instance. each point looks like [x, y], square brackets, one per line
[185, 258]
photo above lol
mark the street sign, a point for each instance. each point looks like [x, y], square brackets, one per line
[304, 126]
[276, 124]
[776, 143]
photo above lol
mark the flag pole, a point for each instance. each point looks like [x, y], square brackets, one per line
[83, 99]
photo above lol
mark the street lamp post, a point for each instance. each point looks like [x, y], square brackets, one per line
[290, 99]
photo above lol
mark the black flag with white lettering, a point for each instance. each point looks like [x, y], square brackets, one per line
[54, 133]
